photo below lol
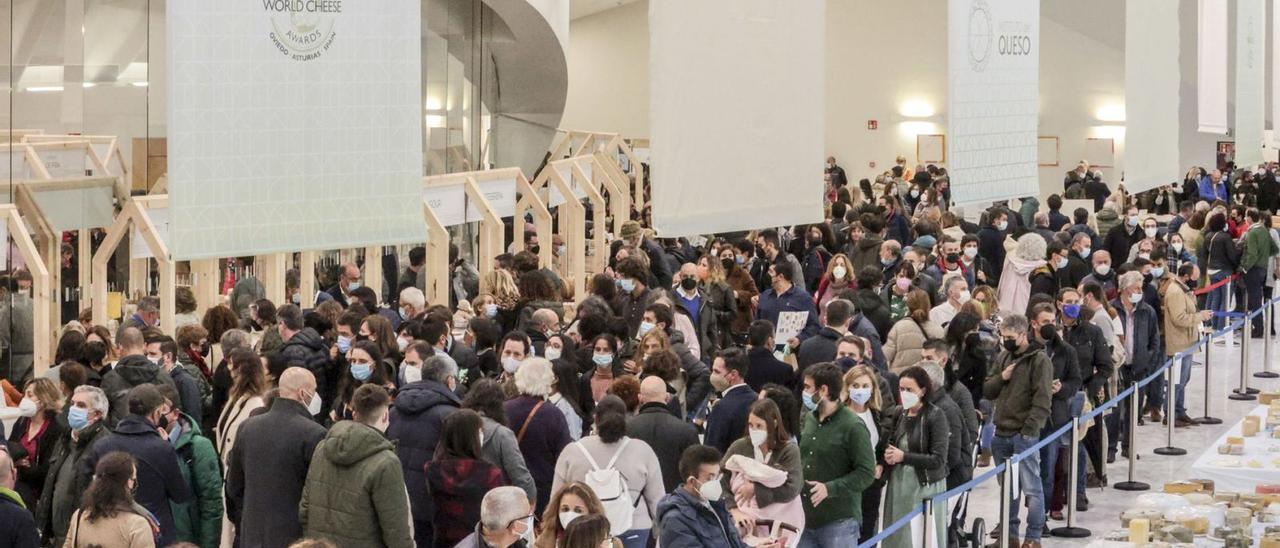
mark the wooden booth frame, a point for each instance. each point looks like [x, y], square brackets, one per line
[569, 143]
[43, 338]
[492, 230]
[134, 213]
[114, 154]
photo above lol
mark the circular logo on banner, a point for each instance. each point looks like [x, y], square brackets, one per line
[302, 29]
[981, 35]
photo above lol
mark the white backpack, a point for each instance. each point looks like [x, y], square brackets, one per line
[609, 485]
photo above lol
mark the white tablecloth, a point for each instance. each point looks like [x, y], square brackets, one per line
[1242, 478]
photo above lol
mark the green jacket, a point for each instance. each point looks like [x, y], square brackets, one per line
[1258, 248]
[838, 453]
[200, 521]
[355, 492]
[1023, 403]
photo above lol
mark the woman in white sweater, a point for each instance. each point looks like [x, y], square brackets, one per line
[632, 458]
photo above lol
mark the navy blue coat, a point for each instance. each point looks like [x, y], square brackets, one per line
[416, 418]
[17, 526]
[688, 523]
[795, 299]
[764, 368]
[159, 476]
[728, 419]
[1146, 339]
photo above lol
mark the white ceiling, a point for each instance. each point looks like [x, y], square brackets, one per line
[583, 8]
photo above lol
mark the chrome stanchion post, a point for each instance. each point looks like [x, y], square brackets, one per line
[928, 518]
[1132, 485]
[1168, 448]
[1268, 316]
[1207, 419]
[1006, 492]
[1071, 531]
[1244, 393]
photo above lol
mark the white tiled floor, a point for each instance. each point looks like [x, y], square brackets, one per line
[1153, 469]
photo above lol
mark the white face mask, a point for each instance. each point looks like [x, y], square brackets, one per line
[27, 408]
[412, 373]
[839, 272]
[711, 490]
[971, 252]
[510, 365]
[567, 517]
[1151, 232]
[403, 343]
[1102, 269]
[909, 399]
[757, 437]
[552, 353]
[527, 535]
[965, 296]
[314, 406]
[1177, 247]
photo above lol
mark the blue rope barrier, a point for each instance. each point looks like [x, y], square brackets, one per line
[887, 531]
[1228, 314]
[1035, 449]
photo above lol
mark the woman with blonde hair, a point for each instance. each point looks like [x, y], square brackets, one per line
[905, 342]
[572, 501]
[721, 304]
[33, 438]
[839, 276]
[862, 387]
[502, 287]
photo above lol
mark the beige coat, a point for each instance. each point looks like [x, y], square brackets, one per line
[125, 530]
[1191, 238]
[905, 343]
[229, 422]
[1181, 321]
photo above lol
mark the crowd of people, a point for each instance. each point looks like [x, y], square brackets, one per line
[786, 386]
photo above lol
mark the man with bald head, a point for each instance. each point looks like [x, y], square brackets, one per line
[268, 464]
[348, 281]
[1103, 274]
[665, 433]
[542, 324]
[17, 526]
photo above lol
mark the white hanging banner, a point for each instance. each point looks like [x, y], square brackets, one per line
[1151, 70]
[1251, 55]
[993, 100]
[1211, 75]
[1275, 80]
[501, 194]
[752, 157]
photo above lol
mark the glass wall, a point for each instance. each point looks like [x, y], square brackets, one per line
[96, 68]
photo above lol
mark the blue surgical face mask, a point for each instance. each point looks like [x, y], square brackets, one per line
[740, 260]
[78, 418]
[403, 315]
[344, 343]
[602, 360]
[491, 310]
[352, 286]
[175, 435]
[1062, 263]
[627, 284]
[887, 262]
[809, 402]
[1084, 253]
[361, 371]
[860, 395]
[297, 299]
[1135, 298]
[645, 327]
[1071, 310]
[1157, 272]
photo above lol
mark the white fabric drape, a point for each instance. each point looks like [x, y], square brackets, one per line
[1251, 55]
[737, 108]
[1151, 80]
[1211, 75]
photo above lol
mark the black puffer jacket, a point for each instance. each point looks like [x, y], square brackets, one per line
[1093, 357]
[133, 370]
[875, 310]
[416, 418]
[309, 349]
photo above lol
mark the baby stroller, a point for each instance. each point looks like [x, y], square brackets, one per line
[976, 537]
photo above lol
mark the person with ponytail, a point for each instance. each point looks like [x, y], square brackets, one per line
[906, 339]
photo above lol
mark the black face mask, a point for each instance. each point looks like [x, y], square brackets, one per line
[535, 249]
[688, 284]
[1047, 332]
[815, 241]
[163, 423]
[727, 264]
[1011, 345]
[953, 258]
[1191, 284]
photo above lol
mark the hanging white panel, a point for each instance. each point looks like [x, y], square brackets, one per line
[293, 125]
[1251, 55]
[1151, 80]
[1275, 76]
[737, 113]
[1211, 68]
[993, 52]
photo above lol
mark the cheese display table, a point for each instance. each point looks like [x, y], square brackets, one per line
[1258, 463]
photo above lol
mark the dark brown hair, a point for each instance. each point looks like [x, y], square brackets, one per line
[586, 532]
[768, 411]
[459, 436]
[109, 494]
